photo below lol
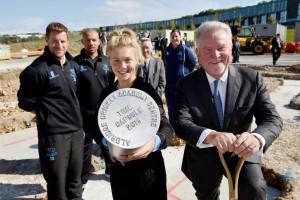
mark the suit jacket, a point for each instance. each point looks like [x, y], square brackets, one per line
[275, 44]
[246, 97]
[156, 75]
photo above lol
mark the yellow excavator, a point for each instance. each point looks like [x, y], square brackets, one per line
[250, 41]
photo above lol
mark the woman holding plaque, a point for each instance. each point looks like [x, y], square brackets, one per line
[141, 174]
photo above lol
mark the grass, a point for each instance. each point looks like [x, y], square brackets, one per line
[74, 47]
[75, 44]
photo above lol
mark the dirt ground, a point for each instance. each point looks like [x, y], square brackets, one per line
[284, 151]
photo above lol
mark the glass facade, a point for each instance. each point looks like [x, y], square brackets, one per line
[285, 12]
[256, 12]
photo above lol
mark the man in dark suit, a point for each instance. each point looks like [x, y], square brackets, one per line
[208, 129]
[276, 48]
[157, 45]
[153, 71]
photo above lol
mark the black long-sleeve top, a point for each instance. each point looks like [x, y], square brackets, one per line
[49, 89]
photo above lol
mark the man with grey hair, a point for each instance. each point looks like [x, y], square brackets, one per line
[215, 107]
[153, 71]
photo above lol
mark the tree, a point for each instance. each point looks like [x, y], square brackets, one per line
[162, 27]
[155, 25]
[182, 27]
[140, 25]
[239, 19]
[271, 20]
[193, 27]
[216, 17]
[172, 24]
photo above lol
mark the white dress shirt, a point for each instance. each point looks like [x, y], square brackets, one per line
[222, 89]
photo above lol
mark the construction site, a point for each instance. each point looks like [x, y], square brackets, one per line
[20, 173]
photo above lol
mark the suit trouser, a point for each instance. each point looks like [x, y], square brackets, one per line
[143, 179]
[276, 54]
[170, 97]
[61, 164]
[236, 56]
[87, 157]
[251, 186]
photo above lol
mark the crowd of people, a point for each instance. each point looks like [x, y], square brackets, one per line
[211, 108]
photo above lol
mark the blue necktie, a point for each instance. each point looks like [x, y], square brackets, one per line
[218, 103]
[145, 72]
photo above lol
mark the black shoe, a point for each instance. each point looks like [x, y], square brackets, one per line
[107, 175]
[107, 171]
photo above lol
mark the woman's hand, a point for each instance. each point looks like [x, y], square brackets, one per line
[141, 152]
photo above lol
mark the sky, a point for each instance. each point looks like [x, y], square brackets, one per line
[33, 16]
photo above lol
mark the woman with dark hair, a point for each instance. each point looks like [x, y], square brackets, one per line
[179, 62]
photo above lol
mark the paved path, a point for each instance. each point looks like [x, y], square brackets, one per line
[22, 145]
[286, 59]
[179, 187]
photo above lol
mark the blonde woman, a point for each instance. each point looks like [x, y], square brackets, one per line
[141, 175]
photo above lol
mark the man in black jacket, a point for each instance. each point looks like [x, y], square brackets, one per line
[48, 89]
[215, 107]
[276, 48]
[95, 74]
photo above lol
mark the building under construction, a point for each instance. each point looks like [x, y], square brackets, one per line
[285, 12]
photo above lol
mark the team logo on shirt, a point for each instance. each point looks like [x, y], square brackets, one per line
[105, 68]
[73, 74]
[82, 68]
[52, 75]
[51, 153]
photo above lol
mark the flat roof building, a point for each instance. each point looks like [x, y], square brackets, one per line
[285, 12]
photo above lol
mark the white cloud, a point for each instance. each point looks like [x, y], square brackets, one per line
[34, 24]
[78, 26]
[97, 13]
[28, 25]
[118, 12]
[122, 5]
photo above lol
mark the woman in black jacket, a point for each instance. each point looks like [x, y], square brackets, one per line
[142, 174]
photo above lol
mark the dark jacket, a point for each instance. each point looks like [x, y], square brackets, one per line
[157, 43]
[179, 62]
[92, 80]
[50, 90]
[275, 44]
[156, 75]
[236, 46]
[246, 97]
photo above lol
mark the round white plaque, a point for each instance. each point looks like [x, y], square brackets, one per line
[128, 118]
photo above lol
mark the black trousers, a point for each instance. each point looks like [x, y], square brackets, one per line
[251, 186]
[170, 97]
[61, 163]
[87, 155]
[276, 54]
[143, 179]
[236, 56]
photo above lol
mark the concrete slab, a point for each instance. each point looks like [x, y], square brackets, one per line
[286, 59]
[179, 187]
[23, 144]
